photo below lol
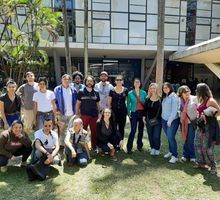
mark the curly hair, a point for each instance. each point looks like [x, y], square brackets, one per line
[77, 73]
[203, 92]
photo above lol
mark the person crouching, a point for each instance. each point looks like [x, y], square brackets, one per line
[76, 141]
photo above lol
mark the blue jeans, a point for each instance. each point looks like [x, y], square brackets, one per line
[10, 119]
[188, 147]
[154, 133]
[136, 117]
[42, 118]
[114, 140]
[82, 158]
[171, 133]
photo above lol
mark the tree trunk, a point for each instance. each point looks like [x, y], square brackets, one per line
[66, 38]
[85, 37]
[160, 43]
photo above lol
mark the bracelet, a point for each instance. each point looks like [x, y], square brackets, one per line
[77, 114]
[47, 153]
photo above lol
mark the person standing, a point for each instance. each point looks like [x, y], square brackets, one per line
[65, 100]
[10, 105]
[170, 119]
[135, 108]
[188, 105]
[44, 104]
[78, 79]
[27, 91]
[117, 98]
[88, 109]
[152, 110]
[103, 88]
[207, 136]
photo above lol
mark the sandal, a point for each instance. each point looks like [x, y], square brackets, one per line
[213, 170]
[198, 166]
[113, 157]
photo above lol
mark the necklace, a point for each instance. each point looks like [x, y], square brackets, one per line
[107, 124]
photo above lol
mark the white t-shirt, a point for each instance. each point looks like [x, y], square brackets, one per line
[44, 100]
[49, 141]
[67, 97]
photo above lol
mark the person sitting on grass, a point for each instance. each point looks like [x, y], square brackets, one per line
[14, 142]
[108, 137]
[50, 143]
[76, 141]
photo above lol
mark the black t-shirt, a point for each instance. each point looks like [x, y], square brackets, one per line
[8, 106]
[88, 101]
[151, 108]
[118, 100]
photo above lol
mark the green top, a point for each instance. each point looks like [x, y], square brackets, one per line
[132, 100]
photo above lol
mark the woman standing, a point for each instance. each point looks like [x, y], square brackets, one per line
[206, 138]
[108, 137]
[188, 104]
[117, 98]
[135, 108]
[170, 119]
[10, 105]
[152, 110]
[14, 142]
[44, 104]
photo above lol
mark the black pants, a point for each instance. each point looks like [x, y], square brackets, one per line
[120, 120]
[24, 151]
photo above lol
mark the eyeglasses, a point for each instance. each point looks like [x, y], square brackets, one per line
[165, 88]
[109, 113]
[137, 82]
[118, 79]
[186, 91]
[66, 79]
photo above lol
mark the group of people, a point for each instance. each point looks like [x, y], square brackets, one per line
[104, 109]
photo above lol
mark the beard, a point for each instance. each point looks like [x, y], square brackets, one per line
[77, 83]
[103, 81]
[89, 86]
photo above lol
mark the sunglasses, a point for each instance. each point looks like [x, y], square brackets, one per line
[118, 79]
[185, 92]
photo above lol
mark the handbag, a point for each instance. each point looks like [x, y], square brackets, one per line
[154, 121]
[193, 122]
[37, 170]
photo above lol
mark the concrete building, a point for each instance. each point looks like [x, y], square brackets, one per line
[123, 38]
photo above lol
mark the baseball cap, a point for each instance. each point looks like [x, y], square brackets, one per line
[104, 72]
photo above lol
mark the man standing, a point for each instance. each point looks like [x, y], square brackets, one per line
[77, 79]
[103, 88]
[76, 141]
[50, 143]
[88, 104]
[27, 91]
[65, 99]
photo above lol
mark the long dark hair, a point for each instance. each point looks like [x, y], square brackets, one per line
[134, 81]
[93, 78]
[203, 92]
[111, 119]
[169, 86]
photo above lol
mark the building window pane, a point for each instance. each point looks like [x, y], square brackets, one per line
[101, 28]
[79, 4]
[182, 38]
[203, 21]
[171, 11]
[137, 17]
[119, 36]
[152, 22]
[183, 24]
[215, 26]
[101, 6]
[152, 7]
[105, 40]
[119, 5]
[202, 13]
[183, 8]
[204, 4]
[80, 18]
[170, 42]
[215, 11]
[137, 29]
[191, 24]
[137, 9]
[119, 20]
[173, 19]
[202, 32]
[136, 41]
[171, 31]
[190, 38]
[79, 37]
[138, 2]
[101, 15]
[172, 3]
[151, 37]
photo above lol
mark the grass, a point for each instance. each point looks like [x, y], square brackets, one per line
[136, 176]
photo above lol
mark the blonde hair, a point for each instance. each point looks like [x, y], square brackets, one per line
[149, 95]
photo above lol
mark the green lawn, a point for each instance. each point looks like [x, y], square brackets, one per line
[136, 176]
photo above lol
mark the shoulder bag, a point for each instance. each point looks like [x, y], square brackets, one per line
[154, 121]
[193, 122]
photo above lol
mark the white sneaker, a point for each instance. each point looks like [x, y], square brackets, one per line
[157, 153]
[183, 159]
[173, 159]
[168, 155]
[192, 160]
[4, 169]
[152, 152]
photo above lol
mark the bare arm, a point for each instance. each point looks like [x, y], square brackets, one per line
[109, 102]
[56, 150]
[98, 107]
[35, 111]
[77, 108]
[40, 148]
[3, 115]
[212, 102]
[87, 150]
[54, 110]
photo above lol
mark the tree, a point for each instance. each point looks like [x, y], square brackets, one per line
[21, 37]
